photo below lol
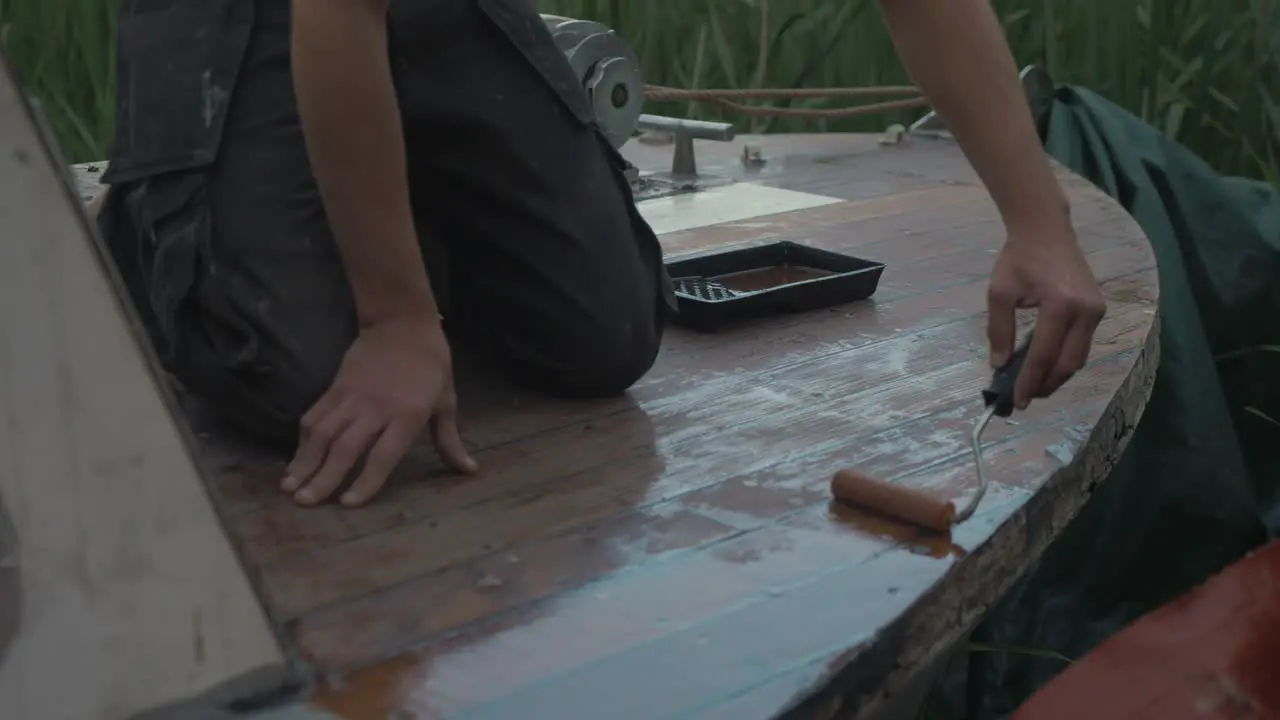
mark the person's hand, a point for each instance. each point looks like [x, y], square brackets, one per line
[396, 378]
[1044, 270]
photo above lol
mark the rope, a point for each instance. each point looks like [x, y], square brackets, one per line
[727, 98]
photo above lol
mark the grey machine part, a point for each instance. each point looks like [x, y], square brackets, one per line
[610, 72]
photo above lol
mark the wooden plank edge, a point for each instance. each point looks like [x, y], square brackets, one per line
[265, 686]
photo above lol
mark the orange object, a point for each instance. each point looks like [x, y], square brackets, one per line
[895, 501]
[919, 508]
[1212, 654]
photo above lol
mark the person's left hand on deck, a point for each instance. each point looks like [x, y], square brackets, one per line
[396, 378]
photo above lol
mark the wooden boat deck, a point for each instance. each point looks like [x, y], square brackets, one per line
[674, 552]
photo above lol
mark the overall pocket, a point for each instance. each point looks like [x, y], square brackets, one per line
[168, 220]
[176, 64]
[199, 329]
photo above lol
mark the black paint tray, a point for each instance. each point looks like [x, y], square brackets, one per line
[782, 277]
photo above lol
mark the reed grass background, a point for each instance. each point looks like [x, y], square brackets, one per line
[1206, 72]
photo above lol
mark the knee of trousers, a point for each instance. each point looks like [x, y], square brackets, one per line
[604, 358]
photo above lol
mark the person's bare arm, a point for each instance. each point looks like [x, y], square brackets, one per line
[956, 53]
[397, 376]
[351, 121]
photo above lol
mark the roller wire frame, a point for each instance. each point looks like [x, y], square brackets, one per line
[999, 400]
[915, 506]
[975, 441]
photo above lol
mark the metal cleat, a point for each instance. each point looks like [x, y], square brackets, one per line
[684, 166]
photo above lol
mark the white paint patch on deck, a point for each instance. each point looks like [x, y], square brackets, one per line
[724, 204]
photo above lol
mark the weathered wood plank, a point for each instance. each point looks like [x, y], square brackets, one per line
[129, 595]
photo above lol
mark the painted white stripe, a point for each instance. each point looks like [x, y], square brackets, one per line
[724, 204]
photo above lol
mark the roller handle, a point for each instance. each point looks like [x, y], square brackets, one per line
[1000, 392]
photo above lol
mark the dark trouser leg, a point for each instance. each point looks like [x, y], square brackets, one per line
[250, 303]
[554, 274]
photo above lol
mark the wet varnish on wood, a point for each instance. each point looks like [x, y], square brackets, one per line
[674, 552]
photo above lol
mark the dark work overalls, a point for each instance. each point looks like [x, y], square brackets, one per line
[217, 225]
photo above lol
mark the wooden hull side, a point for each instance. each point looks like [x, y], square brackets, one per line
[1212, 654]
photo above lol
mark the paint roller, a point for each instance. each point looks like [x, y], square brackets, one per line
[918, 507]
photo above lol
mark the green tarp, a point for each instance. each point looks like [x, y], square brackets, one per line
[1199, 484]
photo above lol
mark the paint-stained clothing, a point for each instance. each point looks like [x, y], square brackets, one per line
[217, 224]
